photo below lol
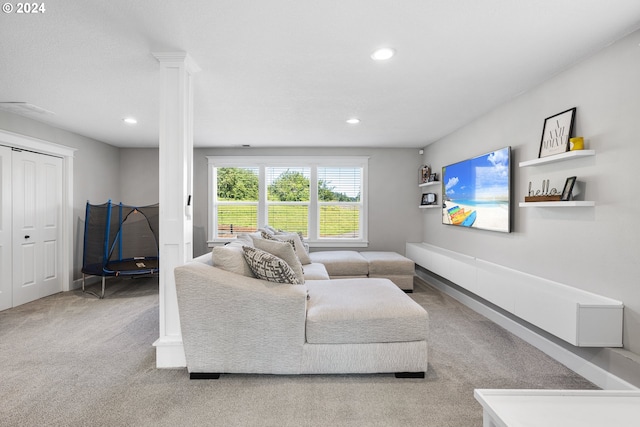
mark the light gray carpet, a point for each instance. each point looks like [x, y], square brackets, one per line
[73, 360]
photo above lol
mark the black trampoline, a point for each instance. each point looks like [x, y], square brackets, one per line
[120, 240]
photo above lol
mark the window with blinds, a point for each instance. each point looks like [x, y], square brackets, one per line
[237, 197]
[339, 200]
[288, 197]
[320, 197]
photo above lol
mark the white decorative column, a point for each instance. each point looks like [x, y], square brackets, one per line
[176, 180]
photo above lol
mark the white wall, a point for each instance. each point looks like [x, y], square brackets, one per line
[96, 171]
[394, 217]
[597, 248]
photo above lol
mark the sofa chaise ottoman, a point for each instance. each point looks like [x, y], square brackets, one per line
[393, 266]
[345, 264]
[237, 324]
[341, 264]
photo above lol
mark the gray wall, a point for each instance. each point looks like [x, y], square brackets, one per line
[139, 176]
[96, 169]
[394, 217]
[596, 249]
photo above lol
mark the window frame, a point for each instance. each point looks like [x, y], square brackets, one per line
[312, 162]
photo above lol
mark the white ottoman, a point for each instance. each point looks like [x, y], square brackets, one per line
[393, 266]
[356, 311]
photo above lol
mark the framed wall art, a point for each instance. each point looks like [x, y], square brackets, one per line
[568, 188]
[556, 132]
[428, 199]
[424, 173]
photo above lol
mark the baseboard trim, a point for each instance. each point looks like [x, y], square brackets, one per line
[581, 366]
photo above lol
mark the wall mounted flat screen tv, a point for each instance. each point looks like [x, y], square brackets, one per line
[476, 193]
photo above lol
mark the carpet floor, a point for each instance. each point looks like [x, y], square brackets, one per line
[74, 360]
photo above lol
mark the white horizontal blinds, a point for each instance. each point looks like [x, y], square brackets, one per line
[288, 198]
[236, 201]
[324, 198]
[340, 202]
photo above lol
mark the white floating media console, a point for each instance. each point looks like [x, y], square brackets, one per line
[579, 317]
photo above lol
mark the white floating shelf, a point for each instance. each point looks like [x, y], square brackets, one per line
[429, 206]
[426, 184]
[558, 157]
[561, 204]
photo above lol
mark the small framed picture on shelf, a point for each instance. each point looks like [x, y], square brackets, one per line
[428, 199]
[568, 188]
[425, 173]
[433, 177]
[556, 133]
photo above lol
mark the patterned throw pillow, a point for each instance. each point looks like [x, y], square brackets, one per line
[284, 251]
[269, 267]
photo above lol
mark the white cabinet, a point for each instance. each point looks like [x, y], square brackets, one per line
[578, 317]
[566, 408]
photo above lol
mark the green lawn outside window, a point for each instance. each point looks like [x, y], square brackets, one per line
[335, 221]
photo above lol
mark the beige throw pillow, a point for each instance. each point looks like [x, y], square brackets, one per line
[297, 244]
[231, 258]
[283, 250]
[243, 239]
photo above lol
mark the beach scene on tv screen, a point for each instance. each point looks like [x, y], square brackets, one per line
[476, 192]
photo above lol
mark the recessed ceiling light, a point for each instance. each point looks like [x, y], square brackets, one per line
[383, 54]
[130, 120]
[353, 121]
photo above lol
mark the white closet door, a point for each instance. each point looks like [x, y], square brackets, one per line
[36, 216]
[5, 228]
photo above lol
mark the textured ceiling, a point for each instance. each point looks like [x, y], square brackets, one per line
[281, 73]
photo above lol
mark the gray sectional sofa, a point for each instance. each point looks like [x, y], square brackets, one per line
[234, 323]
[347, 264]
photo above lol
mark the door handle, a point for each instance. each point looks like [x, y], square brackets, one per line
[27, 237]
